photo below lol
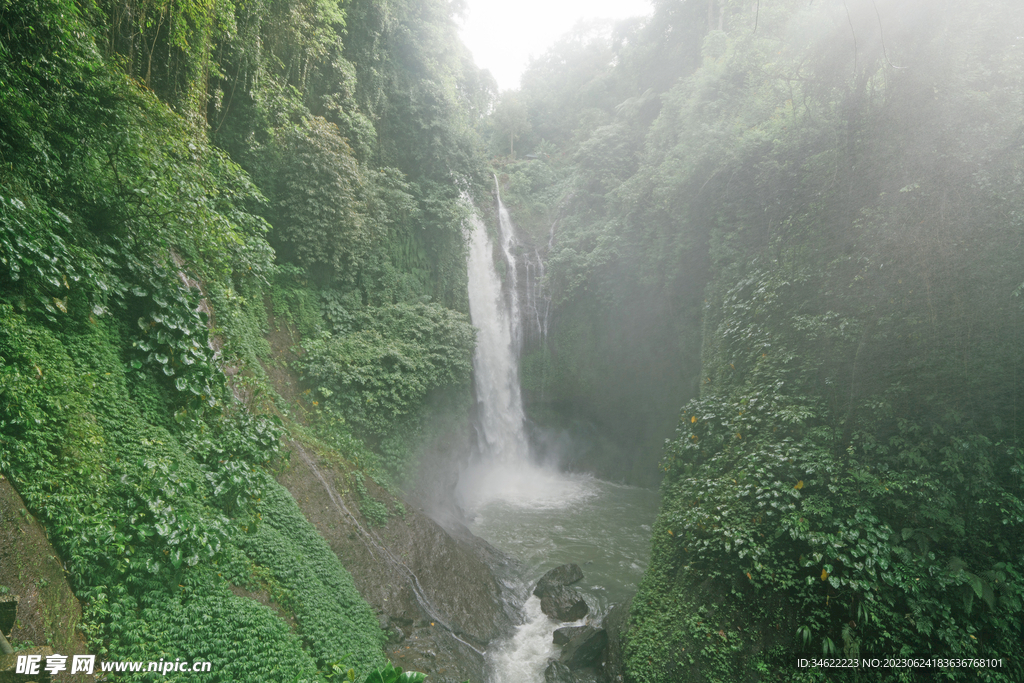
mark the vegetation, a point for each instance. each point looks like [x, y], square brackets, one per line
[384, 364]
[169, 167]
[818, 206]
[825, 200]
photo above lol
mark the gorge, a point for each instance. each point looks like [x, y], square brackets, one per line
[317, 351]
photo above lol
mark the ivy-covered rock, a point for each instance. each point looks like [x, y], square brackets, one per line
[380, 368]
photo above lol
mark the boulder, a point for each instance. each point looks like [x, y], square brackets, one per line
[558, 673]
[584, 648]
[563, 635]
[564, 604]
[565, 575]
[616, 623]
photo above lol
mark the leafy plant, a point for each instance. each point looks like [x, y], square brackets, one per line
[392, 674]
[372, 509]
[383, 369]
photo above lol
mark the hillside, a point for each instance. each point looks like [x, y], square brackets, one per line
[770, 256]
[801, 223]
[181, 184]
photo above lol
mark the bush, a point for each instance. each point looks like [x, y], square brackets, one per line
[383, 369]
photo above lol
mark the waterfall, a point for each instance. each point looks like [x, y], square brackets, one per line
[508, 248]
[538, 304]
[535, 513]
[530, 320]
[495, 365]
[503, 468]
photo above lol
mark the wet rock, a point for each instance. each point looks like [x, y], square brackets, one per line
[565, 575]
[564, 604]
[38, 604]
[584, 648]
[558, 673]
[9, 666]
[616, 623]
[436, 588]
[395, 634]
[563, 635]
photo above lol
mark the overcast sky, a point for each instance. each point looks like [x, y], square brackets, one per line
[504, 34]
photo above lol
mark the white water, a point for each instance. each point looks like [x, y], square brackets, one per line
[508, 244]
[496, 372]
[603, 527]
[523, 658]
[536, 514]
[504, 469]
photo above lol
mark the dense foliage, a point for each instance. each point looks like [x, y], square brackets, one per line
[818, 206]
[387, 361]
[153, 154]
[574, 187]
[826, 201]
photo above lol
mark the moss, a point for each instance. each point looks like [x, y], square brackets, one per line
[32, 577]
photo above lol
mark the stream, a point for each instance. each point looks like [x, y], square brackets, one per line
[601, 526]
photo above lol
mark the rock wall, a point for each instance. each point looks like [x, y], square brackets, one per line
[31, 575]
[437, 593]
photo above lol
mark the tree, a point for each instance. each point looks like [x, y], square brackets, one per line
[319, 219]
[510, 119]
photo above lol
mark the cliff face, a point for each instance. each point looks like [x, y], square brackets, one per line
[154, 157]
[829, 490]
[437, 589]
[37, 606]
[803, 222]
[436, 594]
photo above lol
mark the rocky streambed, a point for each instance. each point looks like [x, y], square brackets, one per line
[582, 646]
[579, 547]
[483, 594]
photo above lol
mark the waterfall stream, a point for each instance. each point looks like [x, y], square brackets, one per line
[534, 513]
[495, 369]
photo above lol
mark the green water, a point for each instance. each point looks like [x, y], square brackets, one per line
[547, 519]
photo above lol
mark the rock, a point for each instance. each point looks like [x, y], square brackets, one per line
[584, 648]
[563, 635]
[8, 613]
[9, 663]
[46, 610]
[437, 588]
[558, 673]
[565, 575]
[616, 623]
[564, 604]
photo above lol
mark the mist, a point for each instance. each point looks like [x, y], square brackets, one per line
[696, 357]
[800, 223]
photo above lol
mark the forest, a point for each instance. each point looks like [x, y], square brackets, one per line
[781, 247]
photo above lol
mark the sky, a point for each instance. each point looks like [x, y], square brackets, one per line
[504, 34]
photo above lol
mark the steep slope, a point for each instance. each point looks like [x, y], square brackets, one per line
[138, 421]
[829, 198]
[37, 606]
[838, 486]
